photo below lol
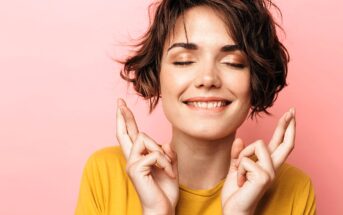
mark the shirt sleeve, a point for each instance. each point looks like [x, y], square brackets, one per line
[309, 199]
[90, 194]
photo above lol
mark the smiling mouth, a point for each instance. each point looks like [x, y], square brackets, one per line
[208, 105]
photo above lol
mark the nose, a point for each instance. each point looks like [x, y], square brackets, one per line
[208, 77]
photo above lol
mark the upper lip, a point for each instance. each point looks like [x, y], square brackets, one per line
[206, 99]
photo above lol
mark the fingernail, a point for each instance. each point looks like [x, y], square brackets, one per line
[289, 115]
[120, 102]
[121, 110]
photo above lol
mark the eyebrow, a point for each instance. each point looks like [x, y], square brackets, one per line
[193, 46]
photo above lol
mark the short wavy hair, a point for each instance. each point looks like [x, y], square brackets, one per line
[251, 26]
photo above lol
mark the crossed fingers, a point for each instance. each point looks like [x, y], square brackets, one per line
[271, 157]
[136, 144]
[127, 129]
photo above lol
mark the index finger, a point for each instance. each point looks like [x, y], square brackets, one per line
[280, 130]
[131, 125]
[121, 133]
[285, 148]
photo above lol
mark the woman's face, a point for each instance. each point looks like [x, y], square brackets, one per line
[205, 84]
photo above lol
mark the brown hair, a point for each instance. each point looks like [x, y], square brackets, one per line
[250, 24]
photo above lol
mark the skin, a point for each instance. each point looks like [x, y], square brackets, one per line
[203, 139]
[203, 144]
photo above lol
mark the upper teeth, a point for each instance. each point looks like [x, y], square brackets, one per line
[207, 104]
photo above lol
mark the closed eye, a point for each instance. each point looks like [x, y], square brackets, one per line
[235, 65]
[182, 63]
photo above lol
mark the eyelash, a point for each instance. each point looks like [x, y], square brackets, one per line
[236, 65]
[182, 63]
[185, 63]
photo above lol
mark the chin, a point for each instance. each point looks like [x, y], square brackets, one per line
[205, 132]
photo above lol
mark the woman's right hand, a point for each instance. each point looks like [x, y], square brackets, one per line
[152, 167]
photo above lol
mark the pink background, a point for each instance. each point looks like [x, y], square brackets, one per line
[58, 88]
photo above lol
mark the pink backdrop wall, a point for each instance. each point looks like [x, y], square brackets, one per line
[58, 88]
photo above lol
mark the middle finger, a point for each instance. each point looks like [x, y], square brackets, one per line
[280, 130]
[131, 125]
[122, 135]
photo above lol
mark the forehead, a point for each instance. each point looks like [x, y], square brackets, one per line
[200, 24]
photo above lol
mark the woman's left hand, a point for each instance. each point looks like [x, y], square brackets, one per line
[247, 180]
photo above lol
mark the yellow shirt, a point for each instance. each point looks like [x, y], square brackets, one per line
[106, 189]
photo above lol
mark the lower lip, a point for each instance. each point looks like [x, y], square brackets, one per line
[209, 110]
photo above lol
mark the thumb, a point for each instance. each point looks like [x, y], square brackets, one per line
[175, 165]
[236, 148]
[168, 149]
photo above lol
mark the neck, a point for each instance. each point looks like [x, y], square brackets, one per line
[201, 163]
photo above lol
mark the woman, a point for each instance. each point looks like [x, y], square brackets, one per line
[211, 62]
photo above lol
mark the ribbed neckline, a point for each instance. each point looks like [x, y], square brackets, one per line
[208, 192]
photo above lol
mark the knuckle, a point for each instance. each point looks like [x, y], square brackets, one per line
[118, 136]
[265, 178]
[132, 169]
[129, 169]
[282, 121]
[142, 134]
[260, 143]
[157, 154]
[139, 137]
[244, 160]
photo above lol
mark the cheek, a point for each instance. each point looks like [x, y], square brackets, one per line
[172, 83]
[240, 85]
[169, 101]
[169, 86]
[166, 84]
